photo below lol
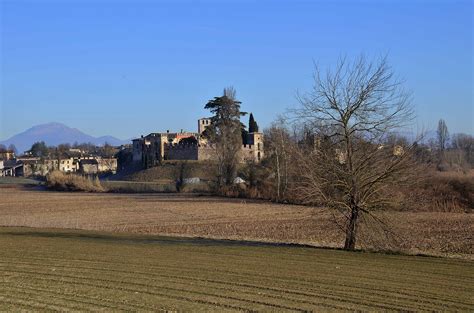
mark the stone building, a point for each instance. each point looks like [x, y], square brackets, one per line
[69, 165]
[89, 166]
[37, 167]
[254, 148]
[96, 165]
[41, 167]
[7, 155]
[203, 123]
[152, 149]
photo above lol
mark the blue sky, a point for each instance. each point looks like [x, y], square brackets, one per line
[126, 68]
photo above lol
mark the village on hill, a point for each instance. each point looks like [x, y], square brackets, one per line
[144, 152]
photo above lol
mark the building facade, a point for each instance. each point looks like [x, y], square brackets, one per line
[154, 148]
[203, 123]
[69, 165]
[7, 155]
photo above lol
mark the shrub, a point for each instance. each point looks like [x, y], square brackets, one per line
[60, 181]
[443, 167]
[441, 192]
[138, 187]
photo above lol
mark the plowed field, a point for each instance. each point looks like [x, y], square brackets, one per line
[76, 270]
[435, 233]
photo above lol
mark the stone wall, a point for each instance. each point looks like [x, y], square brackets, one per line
[181, 152]
[206, 152]
[197, 152]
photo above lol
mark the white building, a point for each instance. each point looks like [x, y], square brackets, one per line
[68, 165]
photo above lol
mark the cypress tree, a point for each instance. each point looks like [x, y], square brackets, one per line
[253, 126]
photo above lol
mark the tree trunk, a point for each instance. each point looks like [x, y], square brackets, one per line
[351, 233]
[285, 186]
[278, 175]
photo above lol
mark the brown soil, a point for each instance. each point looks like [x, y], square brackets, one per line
[436, 233]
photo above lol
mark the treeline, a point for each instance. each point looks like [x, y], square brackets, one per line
[10, 148]
[451, 153]
[435, 178]
[287, 145]
[42, 150]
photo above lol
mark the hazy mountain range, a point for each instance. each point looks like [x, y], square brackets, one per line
[56, 133]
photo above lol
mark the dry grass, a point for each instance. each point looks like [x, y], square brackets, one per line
[169, 172]
[152, 187]
[138, 187]
[44, 270]
[57, 180]
[436, 233]
[441, 192]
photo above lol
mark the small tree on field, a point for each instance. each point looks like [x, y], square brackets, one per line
[351, 110]
[225, 133]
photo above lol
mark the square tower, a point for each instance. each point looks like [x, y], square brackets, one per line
[255, 141]
[203, 123]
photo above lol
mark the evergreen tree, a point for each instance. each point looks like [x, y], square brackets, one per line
[443, 135]
[225, 132]
[39, 149]
[253, 126]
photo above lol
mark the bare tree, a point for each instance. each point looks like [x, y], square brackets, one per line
[12, 148]
[107, 150]
[279, 146]
[350, 111]
[465, 143]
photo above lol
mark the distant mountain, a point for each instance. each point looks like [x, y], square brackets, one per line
[54, 134]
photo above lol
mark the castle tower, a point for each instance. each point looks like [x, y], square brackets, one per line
[203, 123]
[255, 140]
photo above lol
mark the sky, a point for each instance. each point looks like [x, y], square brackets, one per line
[126, 68]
